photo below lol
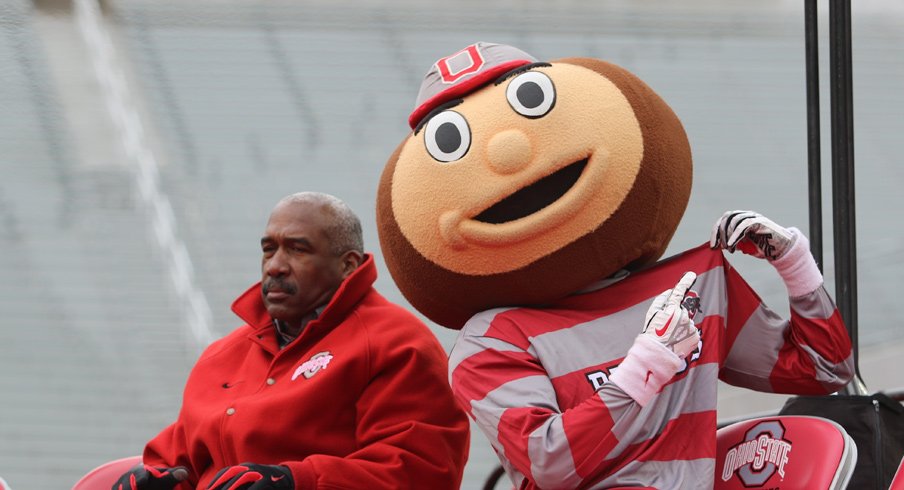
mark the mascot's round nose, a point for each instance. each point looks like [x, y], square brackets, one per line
[508, 151]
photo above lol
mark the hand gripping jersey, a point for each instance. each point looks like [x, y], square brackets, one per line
[537, 380]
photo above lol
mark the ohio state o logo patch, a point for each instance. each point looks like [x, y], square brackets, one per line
[310, 367]
[762, 453]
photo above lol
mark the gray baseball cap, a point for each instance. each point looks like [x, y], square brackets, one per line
[463, 72]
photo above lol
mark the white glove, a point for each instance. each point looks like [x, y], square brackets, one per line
[752, 234]
[669, 323]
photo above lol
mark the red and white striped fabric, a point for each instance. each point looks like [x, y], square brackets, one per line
[537, 380]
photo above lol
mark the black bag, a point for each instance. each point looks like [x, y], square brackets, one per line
[875, 423]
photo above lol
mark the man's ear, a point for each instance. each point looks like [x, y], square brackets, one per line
[350, 261]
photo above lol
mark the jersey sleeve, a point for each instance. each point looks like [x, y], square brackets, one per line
[808, 353]
[511, 398]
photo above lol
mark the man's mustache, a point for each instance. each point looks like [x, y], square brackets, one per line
[278, 284]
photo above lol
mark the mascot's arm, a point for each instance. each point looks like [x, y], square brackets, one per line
[668, 336]
[512, 399]
[810, 353]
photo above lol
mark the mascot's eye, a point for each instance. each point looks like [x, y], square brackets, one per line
[447, 136]
[531, 94]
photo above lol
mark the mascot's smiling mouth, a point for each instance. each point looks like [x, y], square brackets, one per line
[540, 207]
[534, 197]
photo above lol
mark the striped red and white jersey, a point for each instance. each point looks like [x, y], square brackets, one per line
[537, 380]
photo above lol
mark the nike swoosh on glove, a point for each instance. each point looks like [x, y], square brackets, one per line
[144, 477]
[752, 234]
[668, 321]
[251, 476]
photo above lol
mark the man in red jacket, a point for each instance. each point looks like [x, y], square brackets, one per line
[327, 385]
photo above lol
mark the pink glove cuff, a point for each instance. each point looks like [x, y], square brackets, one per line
[646, 368]
[798, 267]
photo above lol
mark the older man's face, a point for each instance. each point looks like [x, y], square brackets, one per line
[300, 272]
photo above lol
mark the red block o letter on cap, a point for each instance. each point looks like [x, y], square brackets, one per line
[463, 72]
[460, 64]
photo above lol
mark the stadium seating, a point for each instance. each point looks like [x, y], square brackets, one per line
[103, 477]
[790, 452]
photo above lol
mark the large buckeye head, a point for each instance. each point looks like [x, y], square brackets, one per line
[531, 186]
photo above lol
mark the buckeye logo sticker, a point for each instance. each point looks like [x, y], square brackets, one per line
[762, 453]
[313, 365]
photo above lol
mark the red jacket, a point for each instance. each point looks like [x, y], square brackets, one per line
[359, 400]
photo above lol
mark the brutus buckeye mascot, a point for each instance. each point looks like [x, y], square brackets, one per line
[528, 209]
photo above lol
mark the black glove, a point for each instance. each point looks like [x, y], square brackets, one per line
[250, 476]
[144, 477]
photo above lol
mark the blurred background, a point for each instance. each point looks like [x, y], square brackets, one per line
[143, 144]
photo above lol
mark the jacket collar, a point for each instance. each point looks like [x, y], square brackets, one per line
[249, 306]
